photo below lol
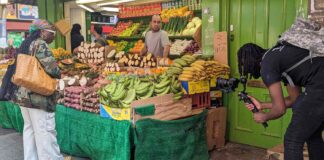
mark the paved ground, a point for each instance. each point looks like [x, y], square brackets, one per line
[11, 149]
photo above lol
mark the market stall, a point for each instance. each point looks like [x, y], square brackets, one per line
[116, 103]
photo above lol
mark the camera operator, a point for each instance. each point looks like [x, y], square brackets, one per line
[273, 66]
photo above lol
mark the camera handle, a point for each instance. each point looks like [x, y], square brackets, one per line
[243, 96]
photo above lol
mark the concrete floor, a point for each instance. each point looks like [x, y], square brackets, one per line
[11, 146]
[234, 151]
[11, 149]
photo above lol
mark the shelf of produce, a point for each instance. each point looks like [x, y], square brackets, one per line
[104, 23]
[125, 38]
[138, 38]
[139, 17]
[197, 12]
[180, 37]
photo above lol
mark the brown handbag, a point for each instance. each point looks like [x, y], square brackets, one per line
[31, 75]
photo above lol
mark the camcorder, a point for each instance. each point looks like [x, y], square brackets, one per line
[229, 85]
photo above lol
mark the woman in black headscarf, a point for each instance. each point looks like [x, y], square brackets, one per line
[76, 37]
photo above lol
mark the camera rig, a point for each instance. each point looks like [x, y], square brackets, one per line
[229, 85]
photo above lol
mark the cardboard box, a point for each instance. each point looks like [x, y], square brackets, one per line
[159, 107]
[221, 47]
[115, 113]
[195, 87]
[216, 127]
[165, 111]
[63, 26]
[216, 94]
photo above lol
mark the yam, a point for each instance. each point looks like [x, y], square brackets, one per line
[101, 49]
[92, 44]
[86, 51]
[81, 49]
[83, 81]
[100, 54]
[73, 82]
[61, 84]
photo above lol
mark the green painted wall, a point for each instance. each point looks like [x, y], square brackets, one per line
[52, 10]
[260, 22]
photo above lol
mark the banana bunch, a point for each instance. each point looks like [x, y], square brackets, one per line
[163, 86]
[176, 88]
[203, 70]
[111, 43]
[60, 53]
[123, 90]
[143, 88]
[178, 64]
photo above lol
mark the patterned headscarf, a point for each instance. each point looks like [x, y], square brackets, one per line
[40, 24]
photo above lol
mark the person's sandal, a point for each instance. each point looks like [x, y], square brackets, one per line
[67, 158]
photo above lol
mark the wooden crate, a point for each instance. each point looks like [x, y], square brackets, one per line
[216, 127]
[277, 153]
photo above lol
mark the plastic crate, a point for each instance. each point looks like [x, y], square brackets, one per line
[201, 100]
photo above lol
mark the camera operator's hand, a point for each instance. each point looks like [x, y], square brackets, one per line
[256, 102]
[260, 117]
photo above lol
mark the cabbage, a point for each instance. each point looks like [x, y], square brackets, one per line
[192, 31]
[186, 32]
[195, 19]
[190, 25]
[197, 23]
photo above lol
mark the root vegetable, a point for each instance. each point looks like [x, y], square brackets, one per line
[83, 81]
[73, 82]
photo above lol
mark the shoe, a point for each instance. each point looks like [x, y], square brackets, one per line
[68, 158]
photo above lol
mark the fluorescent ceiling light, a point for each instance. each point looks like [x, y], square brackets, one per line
[3, 1]
[110, 9]
[114, 2]
[86, 8]
[87, 1]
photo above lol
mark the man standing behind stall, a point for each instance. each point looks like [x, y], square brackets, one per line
[156, 40]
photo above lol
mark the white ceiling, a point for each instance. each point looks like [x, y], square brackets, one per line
[97, 8]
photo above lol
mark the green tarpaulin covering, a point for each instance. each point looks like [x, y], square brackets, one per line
[183, 139]
[88, 135]
[10, 116]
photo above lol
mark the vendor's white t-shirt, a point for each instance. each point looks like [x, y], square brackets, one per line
[155, 42]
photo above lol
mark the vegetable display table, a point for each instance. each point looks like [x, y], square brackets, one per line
[89, 135]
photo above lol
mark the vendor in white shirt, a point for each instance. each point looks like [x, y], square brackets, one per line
[156, 40]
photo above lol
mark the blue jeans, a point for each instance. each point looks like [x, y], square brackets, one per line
[306, 125]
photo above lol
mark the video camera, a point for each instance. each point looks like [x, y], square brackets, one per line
[229, 85]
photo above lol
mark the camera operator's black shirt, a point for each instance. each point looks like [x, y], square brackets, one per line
[309, 74]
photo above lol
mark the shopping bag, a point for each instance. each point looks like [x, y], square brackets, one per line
[31, 75]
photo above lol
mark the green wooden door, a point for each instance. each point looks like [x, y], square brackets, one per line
[260, 22]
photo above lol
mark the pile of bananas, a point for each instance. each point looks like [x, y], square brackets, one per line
[203, 70]
[124, 90]
[111, 43]
[61, 53]
[177, 66]
[188, 68]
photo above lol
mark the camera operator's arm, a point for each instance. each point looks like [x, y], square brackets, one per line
[293, 93]
[278, 105]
